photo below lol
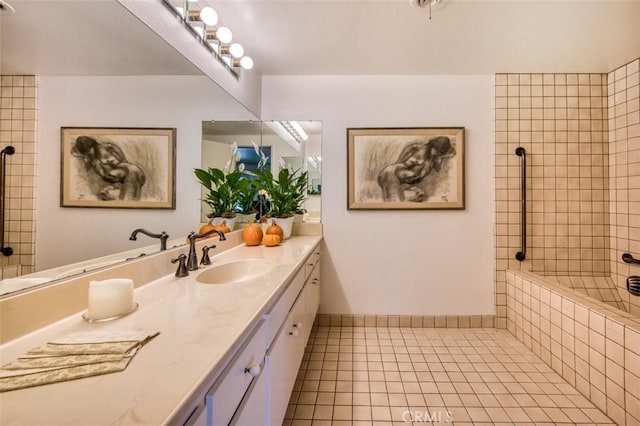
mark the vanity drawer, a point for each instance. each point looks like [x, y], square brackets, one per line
[281, 309]
[228, 391]
[311, 262]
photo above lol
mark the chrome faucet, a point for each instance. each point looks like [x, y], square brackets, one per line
[163, 236]
[192, 259]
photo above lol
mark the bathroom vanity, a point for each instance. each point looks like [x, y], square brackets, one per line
[226, 353]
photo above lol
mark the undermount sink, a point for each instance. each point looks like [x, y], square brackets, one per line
[241, 270]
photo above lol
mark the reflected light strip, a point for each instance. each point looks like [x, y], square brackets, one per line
[294, 128]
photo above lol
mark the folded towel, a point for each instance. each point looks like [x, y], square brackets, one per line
[52, 362]
[74, 356]
[40, 377]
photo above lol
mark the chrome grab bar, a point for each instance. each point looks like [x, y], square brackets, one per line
[8, 150]
[522, 254]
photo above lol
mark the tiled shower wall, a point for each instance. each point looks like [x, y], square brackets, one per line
[624, 176]
[560, 119]
[18, 117]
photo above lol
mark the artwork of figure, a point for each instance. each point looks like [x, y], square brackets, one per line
[400, 181]
[405, 168]
[120, 179]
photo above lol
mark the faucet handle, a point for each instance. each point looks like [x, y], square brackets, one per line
[205, 255]
[182, 266]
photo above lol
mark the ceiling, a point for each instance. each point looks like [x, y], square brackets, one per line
[315, 37]
[463, 37]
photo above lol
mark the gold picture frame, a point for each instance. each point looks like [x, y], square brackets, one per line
[411, 168]
[114, 167]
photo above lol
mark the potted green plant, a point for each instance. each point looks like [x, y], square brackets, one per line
[247, 195]
[281, 191]
[222, 193]
[300, 188]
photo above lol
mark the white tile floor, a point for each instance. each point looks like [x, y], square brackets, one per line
[396, 376]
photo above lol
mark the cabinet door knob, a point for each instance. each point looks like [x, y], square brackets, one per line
[293, 333]
[297, 325]
[254, 370]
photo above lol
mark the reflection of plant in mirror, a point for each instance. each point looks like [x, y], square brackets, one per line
[300, 188]
[263, 158]
[279, 191]
[222, 190]
[233, 164]
[286, 193]
[247, 193]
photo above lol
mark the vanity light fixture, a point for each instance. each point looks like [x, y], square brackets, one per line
[235, 50]
[278, 127]
[245, 62]
[204, 24]
[219, 35]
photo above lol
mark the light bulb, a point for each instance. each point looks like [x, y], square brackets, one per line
[246, 62]
[236, 50]
[209, 16]
[224, 35]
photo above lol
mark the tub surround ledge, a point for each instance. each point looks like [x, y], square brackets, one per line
[593, 346]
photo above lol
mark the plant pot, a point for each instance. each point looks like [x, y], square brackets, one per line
[286, 224]
[245, 218]
[218, 220]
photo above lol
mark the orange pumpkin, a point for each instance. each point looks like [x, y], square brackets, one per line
[206, 228]
[271, 240]
[222, 227]
[252, 234]
[274, 229]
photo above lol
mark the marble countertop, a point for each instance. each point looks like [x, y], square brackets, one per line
[200, 325]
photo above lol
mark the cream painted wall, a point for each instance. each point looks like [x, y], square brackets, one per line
[399, 262]
[65, 235]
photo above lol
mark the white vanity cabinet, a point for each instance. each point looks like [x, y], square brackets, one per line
[238, 396]
[287, 349]
[229, 390]
[255, 386]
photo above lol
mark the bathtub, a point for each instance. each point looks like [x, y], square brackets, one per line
[591, 344]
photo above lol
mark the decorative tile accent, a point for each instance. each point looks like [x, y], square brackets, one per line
[413, 321]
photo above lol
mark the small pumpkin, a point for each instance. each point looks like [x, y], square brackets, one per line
[222, 227]
[271, 240]
[206, 228]
[274, 229]
[252, 235]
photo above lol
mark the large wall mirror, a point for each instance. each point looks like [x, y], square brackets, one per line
[280, 143]
[134, 79]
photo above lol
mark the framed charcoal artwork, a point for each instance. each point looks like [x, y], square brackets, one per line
[405, 168]
[118, 167]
